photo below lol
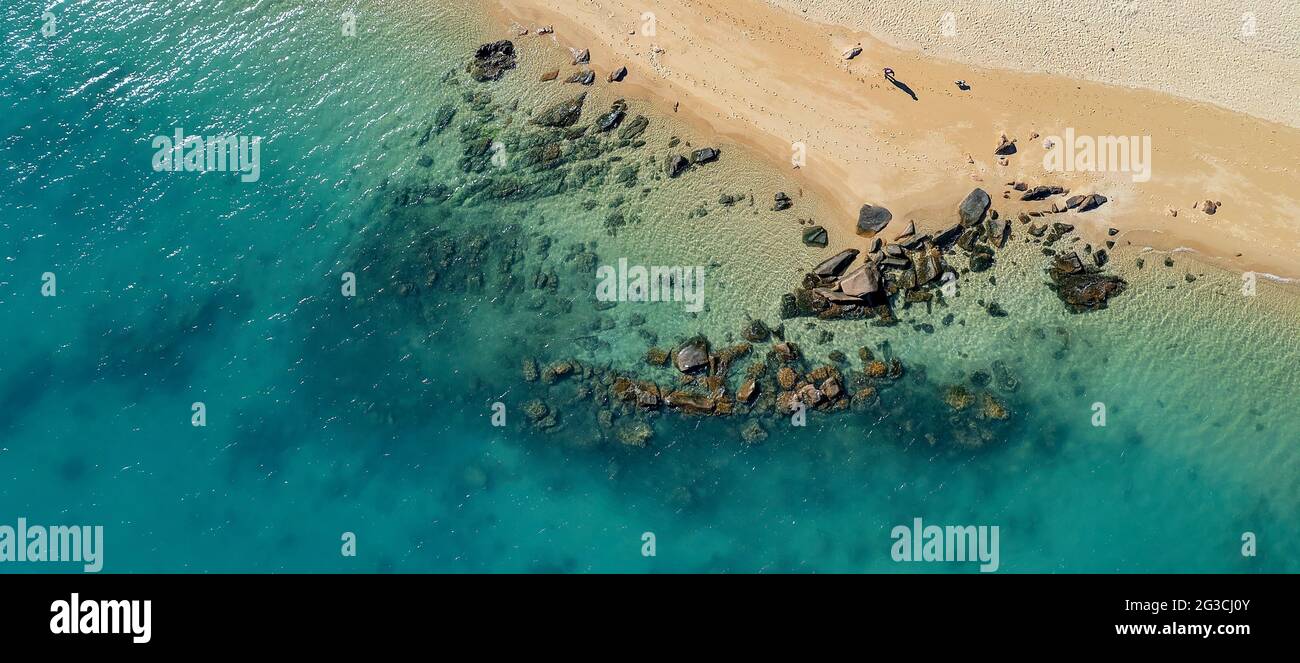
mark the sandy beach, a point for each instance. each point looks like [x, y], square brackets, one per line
[777, 82]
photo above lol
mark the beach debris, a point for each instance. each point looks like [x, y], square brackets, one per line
[853, 52]
[781, 202]
[562, 114]
[873, 218]
[618, 75]
[492, 61]
[1005, 147]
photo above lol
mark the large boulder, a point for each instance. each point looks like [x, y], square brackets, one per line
[693, 356]
[492, 61]
[690, 402]
[836, 264]
[972, 209]
[948, 238]
[704, 155]
[862, 282]
[929, 265]
[1093, 201]
[873, 219]
[998, 231]
[676, 165]
[609, 121]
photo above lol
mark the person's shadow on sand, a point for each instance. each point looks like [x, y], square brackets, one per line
[902, 86]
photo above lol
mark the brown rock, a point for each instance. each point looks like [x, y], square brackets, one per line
[786, 377]
[748, 391]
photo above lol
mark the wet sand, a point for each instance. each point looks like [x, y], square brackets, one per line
[763, 78]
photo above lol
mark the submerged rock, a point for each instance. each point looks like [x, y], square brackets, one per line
[753, 433]
[562, 114]
[999, 230]
[756, 331]
[634, 128]
[1080, 289]
[676, 165]
[692, 357]
[815, 236]
[781, 202]
[635, 434]
[609, 121]
[492, 61]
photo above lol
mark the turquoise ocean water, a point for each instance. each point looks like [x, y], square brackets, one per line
[371, 414]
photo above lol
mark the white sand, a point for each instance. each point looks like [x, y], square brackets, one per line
[1195, 49]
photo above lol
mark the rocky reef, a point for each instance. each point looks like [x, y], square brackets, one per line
[565, 145]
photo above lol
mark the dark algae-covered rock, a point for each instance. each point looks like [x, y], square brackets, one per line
[815, 236]
[492, 61]
[563, 114]
[1082, 289]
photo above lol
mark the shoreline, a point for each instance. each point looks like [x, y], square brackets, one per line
[763, 77]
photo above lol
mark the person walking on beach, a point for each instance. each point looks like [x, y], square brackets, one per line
[889, 74]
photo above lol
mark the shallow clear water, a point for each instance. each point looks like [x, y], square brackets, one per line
[371, 414]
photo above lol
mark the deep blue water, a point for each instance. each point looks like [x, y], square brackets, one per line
[328, 414]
